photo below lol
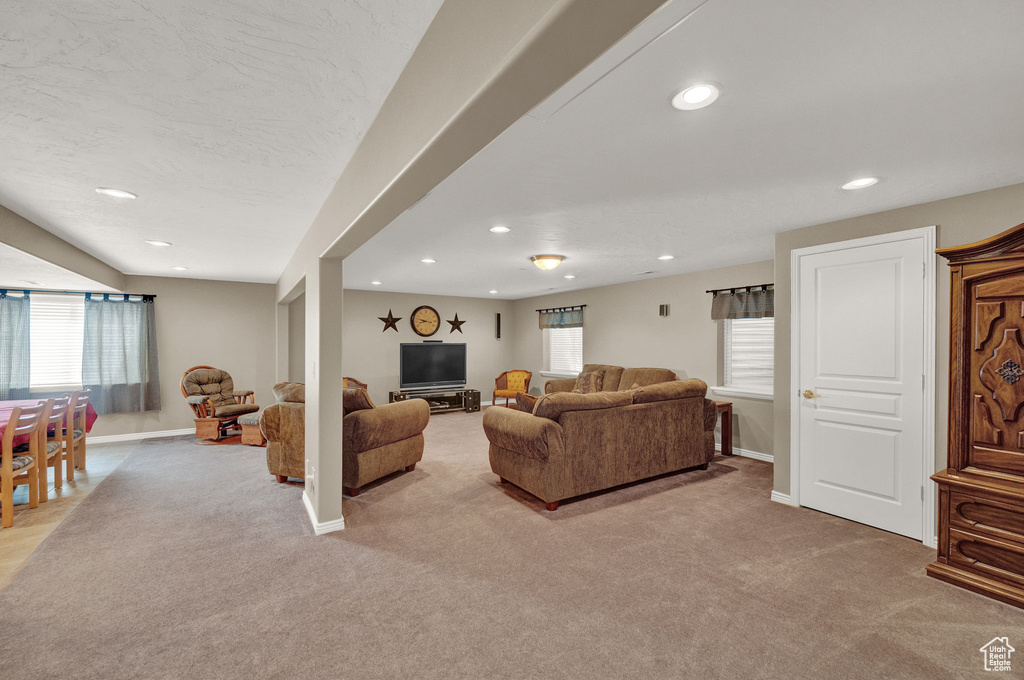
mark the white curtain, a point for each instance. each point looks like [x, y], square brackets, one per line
[14, 346]
[119, 359]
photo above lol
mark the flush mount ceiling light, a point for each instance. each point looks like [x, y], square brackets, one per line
[376, 283]
[162, 244]
[862, 183]
[569, 276]
[696, 97]
[180, 269]
[428, 260]
[500, 230]
[547, 261]
[494, 292]
[115, 193]
[667, 257]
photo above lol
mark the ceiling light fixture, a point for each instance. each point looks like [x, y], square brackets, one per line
[494, 292]
[500, 230]
[376, 283]
[569, 276]
[180, 269]
[667, 257]
[696, 97]
[115, 193]
[862, 183]
[162, 244]
[428, 260]
[547, 261]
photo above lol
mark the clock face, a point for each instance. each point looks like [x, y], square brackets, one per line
[425, 321]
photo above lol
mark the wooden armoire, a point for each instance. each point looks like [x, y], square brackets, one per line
[981, 491]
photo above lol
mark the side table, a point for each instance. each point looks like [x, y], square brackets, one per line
[725, 408]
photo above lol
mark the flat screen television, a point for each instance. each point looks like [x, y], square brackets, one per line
[432, 364]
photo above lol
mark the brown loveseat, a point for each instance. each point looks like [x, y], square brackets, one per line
[572, 444]
[376, 440]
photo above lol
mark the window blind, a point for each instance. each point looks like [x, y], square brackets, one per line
[56, 330]
[750, 354]
[563, 350]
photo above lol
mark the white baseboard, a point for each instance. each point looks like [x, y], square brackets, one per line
[756, 455]
[135, 436]
[318, 526]
[783, 498]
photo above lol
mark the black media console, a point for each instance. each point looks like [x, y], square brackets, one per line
[441, 400]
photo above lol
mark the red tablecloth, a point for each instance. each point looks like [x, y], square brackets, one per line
[7, 406]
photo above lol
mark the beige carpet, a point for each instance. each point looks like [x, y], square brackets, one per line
[191, 562]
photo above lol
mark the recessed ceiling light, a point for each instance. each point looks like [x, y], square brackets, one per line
[428, 260]
[158, 243]
[500, 230]
[180, 269]
[494, 292]
[115, 193]
[696, 97]
[862, 183]
[569, 276]
[667, 257]
[376, 283]
[547, 261]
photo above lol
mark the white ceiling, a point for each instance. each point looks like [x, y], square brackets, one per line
[925, 94]
[20, 270]
[231, 120]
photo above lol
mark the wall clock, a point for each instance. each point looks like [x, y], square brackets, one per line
[425, 321]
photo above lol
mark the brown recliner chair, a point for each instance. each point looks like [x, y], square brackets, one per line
[377, 441]
[217, 404]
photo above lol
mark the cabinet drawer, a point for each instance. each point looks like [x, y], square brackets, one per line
[992, 557]
[996, 518]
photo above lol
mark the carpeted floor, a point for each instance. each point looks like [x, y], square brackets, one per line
[191, 562]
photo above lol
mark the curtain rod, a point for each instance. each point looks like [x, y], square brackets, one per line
[561, 309]
[74, 292]
[732, 291]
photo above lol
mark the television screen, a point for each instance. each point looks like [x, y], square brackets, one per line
[432, 364]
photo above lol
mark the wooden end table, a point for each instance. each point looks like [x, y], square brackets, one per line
[725, 408]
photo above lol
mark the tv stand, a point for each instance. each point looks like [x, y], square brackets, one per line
[442, 399]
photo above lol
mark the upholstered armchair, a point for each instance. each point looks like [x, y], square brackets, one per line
[211, 394]
[284, 426]
[510, 383]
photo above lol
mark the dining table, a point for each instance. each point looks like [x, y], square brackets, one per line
[7, 408]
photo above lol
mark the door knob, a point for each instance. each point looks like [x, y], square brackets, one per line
[808, 394]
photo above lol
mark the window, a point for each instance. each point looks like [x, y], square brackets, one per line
[563, 350]
[749, 356]
[56, 328]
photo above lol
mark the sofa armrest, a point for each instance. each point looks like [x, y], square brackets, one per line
[559, 385]
[198, 399]
[386, 424]
[523, 433]
[270, 423]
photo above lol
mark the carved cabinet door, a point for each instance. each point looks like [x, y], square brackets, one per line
[996, 305]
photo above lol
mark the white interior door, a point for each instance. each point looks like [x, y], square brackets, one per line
[860, 323]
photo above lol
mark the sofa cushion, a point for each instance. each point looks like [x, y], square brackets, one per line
[552, 406]
[233, 409]
[250, 418]
[291, 392]
[355, 399]
[526, 402]
[590, 382]
[612, 375]
[677, 389]
[645, 376]
[211, 382]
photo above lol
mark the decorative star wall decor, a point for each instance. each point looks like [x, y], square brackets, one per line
[456, 324]
[390, 321]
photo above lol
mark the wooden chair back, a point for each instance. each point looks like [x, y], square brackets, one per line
[352, 382]
[24, 420]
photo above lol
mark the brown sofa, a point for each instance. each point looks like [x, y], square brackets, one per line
[377, 441]
[572, 444]
[615, 378]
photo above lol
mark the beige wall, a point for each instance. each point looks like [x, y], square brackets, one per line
[372, 356]
[216, 323]
[959, 220]
[297, 339]
[622, 327]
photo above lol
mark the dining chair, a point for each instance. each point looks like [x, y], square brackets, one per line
[51, 445]
[74, 432]
[19, 469]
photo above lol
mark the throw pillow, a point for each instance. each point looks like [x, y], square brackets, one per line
[589, 382]
[355, 399]
[526, 402]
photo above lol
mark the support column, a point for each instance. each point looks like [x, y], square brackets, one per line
[323, 395]
[282, 327]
